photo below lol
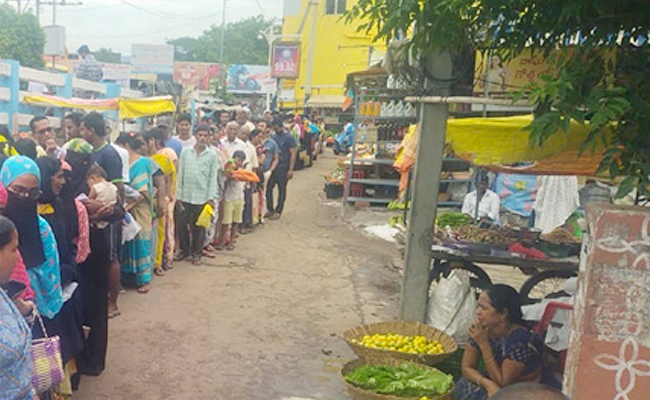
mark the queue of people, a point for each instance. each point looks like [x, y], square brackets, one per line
[83, 221]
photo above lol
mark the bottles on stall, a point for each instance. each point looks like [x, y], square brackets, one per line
[393, 108]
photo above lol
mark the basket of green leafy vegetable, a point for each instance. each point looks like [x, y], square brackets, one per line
[453, 220]
[395, 380]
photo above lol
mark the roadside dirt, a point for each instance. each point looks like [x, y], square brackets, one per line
[261, 322]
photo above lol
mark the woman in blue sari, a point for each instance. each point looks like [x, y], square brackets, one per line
[136, 257]
[510, 352]
[37, 244]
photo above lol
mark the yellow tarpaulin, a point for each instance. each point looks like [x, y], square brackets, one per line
[498, 143]
[128, 108]
[135, 108]
[84, 104]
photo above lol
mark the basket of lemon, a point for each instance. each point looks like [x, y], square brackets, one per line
[395, 380]
[401, 340]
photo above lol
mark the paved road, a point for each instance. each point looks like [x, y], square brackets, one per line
[262, 322]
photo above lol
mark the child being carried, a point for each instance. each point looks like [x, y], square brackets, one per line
[100, 190]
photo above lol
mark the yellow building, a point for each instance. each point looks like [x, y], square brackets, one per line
[339, 50]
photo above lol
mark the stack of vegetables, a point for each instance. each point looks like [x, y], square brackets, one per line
[405, 380]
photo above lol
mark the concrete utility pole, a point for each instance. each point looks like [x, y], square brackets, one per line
[312, 49]
[223, 33]
[431, 141]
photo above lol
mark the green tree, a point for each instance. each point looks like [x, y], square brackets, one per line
[108, 56]
[599, 48]
[241, 45]
[21, 37]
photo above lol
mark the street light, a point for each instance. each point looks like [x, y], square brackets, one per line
[271, 36]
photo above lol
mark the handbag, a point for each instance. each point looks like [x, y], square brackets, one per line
[46, 361]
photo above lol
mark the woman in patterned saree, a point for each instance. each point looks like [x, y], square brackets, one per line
[136, 257]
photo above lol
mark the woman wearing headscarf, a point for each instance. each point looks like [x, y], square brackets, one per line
[19, 273]
[15, 337]
[136, 257]
[93, 272]
[68, 323]
[37, 244]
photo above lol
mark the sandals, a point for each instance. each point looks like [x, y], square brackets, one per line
[144, 289]
[230, 247]
[113, 314]
[208, 254]
[159, 271]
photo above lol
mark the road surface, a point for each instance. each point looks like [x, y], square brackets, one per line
[260, 323]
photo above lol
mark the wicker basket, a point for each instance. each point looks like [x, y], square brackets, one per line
[406, 328]
[358, 393]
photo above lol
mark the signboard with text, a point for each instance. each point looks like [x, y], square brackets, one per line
[286, 60]
[495, 78]
[152, 58]
[196, 75]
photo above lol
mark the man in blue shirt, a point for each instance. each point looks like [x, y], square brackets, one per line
[284, 171]
[165, 124]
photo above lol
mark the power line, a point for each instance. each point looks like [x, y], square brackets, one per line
[262, 9]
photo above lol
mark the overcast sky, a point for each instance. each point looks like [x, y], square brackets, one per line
[118, 23]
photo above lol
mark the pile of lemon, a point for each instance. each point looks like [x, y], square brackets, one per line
[401, 343]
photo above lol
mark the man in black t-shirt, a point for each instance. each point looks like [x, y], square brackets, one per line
[102, 274]
[284, 171]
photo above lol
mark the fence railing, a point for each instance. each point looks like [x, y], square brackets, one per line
[16, 113]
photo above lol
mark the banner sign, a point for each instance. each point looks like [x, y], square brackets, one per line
[248, 79]
[286, 60]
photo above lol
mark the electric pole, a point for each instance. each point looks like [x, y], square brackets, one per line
[223, 33]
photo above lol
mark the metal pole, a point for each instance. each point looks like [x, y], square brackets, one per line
[270, 38]
[312, 45]
[38, 10]
[431, 141]
[223, 33]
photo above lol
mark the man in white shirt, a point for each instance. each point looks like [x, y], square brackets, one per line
[243, 118]
[252, 164]
[231, 143]
[184, 130]
[489, 204]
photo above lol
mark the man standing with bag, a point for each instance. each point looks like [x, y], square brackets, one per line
[197, 186]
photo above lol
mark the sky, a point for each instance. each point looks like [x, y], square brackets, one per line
[116, 24]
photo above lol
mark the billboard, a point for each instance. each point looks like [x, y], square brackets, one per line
[195, 75]
[248, 79]
[152, 58]
[495, 77]
[286, 60]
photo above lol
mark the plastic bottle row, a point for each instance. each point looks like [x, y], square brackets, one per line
[393, 108]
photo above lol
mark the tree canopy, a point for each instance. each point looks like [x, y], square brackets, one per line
[21, 37]
[241, 44]
[108, 56]
[599, 49]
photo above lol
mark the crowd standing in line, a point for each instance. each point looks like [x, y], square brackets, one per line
[82, 221]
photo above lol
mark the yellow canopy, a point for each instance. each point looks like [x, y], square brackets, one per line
[134, 108]
[128, 108]
[498, 143]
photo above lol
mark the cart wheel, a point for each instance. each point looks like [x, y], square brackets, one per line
[478, 278]
[546, 284]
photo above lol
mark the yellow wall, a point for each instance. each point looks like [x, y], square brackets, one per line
[339, 50]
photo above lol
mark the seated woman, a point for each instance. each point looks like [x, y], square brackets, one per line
[510, 352]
